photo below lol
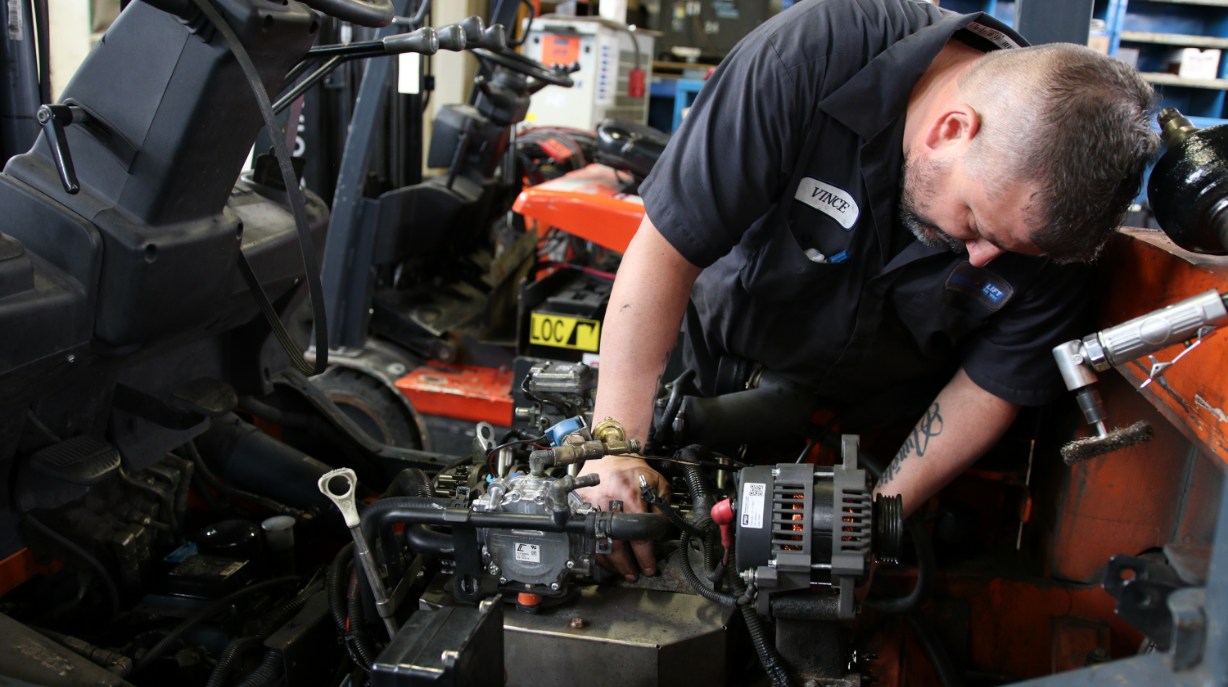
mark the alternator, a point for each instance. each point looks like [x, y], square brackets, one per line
[798, 526]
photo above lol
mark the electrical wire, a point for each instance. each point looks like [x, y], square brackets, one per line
[85, 556]
[294, 195]
[203, 614]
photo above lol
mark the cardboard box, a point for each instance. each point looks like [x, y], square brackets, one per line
[1195, 63]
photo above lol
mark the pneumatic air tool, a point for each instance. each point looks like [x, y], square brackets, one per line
[1188, 191]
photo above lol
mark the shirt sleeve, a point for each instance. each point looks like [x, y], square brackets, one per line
[725, 165]
[1012, 358]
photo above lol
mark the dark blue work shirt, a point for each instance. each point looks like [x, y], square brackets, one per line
[783, 183]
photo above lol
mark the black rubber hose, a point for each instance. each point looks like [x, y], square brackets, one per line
[926, 563]
[925, 573]
[203, 614]
[421, 538]
[409, 482]
[434, 511]
[356, 636]
[688, 573]
[268, 673]
[225, 662]
[773, 663]
[335, 581]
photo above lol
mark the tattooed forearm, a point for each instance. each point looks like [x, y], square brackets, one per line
[918, 442]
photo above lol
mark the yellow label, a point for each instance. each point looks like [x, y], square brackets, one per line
[564, 332]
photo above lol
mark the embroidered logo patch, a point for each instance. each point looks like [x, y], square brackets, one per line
[989, 289]
[829, 200]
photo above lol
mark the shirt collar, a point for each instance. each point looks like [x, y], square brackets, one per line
[878, 94]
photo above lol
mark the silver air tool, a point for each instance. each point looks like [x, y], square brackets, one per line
[1078, 361]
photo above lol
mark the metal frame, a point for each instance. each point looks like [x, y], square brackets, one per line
[1199, 655]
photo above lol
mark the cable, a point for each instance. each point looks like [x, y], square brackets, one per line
[294, 195]
[79, 552]
[200, 616]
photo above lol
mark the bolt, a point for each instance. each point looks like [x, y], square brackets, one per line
[577, 624]
[493, 569]
[571, 564]
[554, 586]
[396, 369]
[71, 358]
[502, 580]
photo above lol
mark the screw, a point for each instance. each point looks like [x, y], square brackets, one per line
[502, 580]
[577, 624]
[554, 586]
[71, 358]
[571, 564]
[396, 369]
[493, 569]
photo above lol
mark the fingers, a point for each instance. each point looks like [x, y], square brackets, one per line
[644, 556]
[620, 560]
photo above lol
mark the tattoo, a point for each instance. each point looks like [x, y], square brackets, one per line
[917, 442]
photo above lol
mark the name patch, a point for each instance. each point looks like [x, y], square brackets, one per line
[829, 200]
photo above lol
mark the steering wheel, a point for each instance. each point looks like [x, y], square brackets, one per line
[373, 13]
[523, 65]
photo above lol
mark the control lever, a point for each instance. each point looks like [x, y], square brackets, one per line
[53, 119]
[451, 37]
[339, 486]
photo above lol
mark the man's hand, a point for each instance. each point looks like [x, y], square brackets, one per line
[620, 481]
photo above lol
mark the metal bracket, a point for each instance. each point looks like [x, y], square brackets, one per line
[1159, 367]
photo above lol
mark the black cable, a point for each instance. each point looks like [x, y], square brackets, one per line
[225, 662]
[948, 674]
[85, 556]
[688, 573]
[203, 614]
[773, 663]
[268, 673]
[294, 195]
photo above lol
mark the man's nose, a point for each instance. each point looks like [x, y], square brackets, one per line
[981, 252]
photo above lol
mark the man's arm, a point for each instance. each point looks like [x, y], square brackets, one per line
[639, 331]
[958, 427]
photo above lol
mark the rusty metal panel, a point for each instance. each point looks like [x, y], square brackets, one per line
[1145, 271]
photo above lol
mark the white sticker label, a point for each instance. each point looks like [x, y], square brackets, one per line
[831, 201]
[408, 66]
[753, 496]
[992, 35]
[529, 553]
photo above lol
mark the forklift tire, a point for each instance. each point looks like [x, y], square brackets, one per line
[373, 405]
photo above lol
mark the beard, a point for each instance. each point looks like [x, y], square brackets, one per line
[916, 182]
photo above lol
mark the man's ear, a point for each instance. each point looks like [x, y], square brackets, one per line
[959, 124]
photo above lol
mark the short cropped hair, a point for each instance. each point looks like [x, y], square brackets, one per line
[1075, 124]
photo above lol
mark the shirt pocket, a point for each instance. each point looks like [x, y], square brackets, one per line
[793, 265]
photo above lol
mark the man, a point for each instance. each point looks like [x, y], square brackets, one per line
[876, 199]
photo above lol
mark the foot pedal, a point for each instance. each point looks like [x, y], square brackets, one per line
[81, 460]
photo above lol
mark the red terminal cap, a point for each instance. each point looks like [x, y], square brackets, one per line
[722, 514]
[527, 599]
[635, 83]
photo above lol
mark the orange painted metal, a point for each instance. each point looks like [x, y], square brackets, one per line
[1146, 271]
[587, 203]
[1016, 628]
[20, 567]
[463, 392]
[1126, 501]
